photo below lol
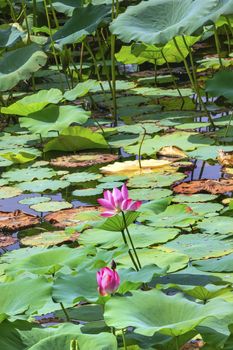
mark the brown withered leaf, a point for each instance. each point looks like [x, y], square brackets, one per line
[17, 220]
[210, 186]
[83, 160]
[5, 241]
[171, 152]
[193, 345]
[72, 217]
[225, 158]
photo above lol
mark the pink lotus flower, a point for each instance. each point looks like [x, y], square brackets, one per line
[117, 201]
[108, 281]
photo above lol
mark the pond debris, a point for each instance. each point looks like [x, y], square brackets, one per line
[17, 220]
[225, 158]
[5, 241]
[172, 152]
[83, 160]
[211, 186]
[71, 217]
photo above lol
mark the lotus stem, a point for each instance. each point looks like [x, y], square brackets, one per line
[34, 13]
[131, 241]
[129, 251]
[65, 312]
[140, 148]
[217, 43]
[193, 80]
[74, 345]
[13, 14]
[115, 7]
[124, 340]
[173, 78]
[229, 24]
[26, 20]
[54, 14]
[103, 60]
[177, 343]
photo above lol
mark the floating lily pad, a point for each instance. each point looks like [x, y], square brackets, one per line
[223, 264]
[81, 177]
[83, 160]
[194, 198]
[143, 236]
[5, 162]
[47, 239]
[5, 241]
[34, 200]
[13, 221]
[43, 185]
[109, 185]
[73, 217]
[154, 180]
[149, 194]
[20, 175]
[218, 224]
[201, 246]
[211, 186]
[88, 192]
[50, 206]
[9, 192]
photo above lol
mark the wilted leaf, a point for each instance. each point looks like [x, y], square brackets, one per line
[211, 186]
[5, 241]
[14, 221]
[70, 217]
[83, 160]
[9, 192]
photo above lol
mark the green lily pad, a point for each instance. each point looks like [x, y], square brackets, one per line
[220, 264]
[9, 192]
[88, 192]
[43, 185]
[81, 177]
[143, 236]
[47, 239]
[34, 200]
[50, 206]
[149, 194]
[154, 180]
[200, 246]
[177, 215]
[217, 224]
[27, 174]
[194, 198]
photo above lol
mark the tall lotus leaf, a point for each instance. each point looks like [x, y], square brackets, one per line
[81, 89]
[19, 64]
[153, 311]
[221, 85]
[75, 139]
[66, 6]
[158, 21]
[54, 118]
[9, 36]
[33, 103]
[167, 53]
[23, 295]
[224, 7]
[84, 21]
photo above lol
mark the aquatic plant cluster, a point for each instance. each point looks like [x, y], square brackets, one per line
[116, 163]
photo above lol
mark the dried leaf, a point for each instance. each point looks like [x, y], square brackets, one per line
[131, 167]
[171, 152]
[193, 345]
[14, 221]
[210, 186]
[5, 241]
[83, 160]
[225, 158]
[68, 217]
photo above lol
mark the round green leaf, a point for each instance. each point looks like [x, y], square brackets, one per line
[50, 206]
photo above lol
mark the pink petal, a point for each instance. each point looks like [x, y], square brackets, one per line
[125, 204]
[117, 196]
[124, 192]
[108, 213]
[108, 196]
[105, 203]
[134, 205]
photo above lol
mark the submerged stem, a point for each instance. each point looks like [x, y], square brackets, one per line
[140, 148]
